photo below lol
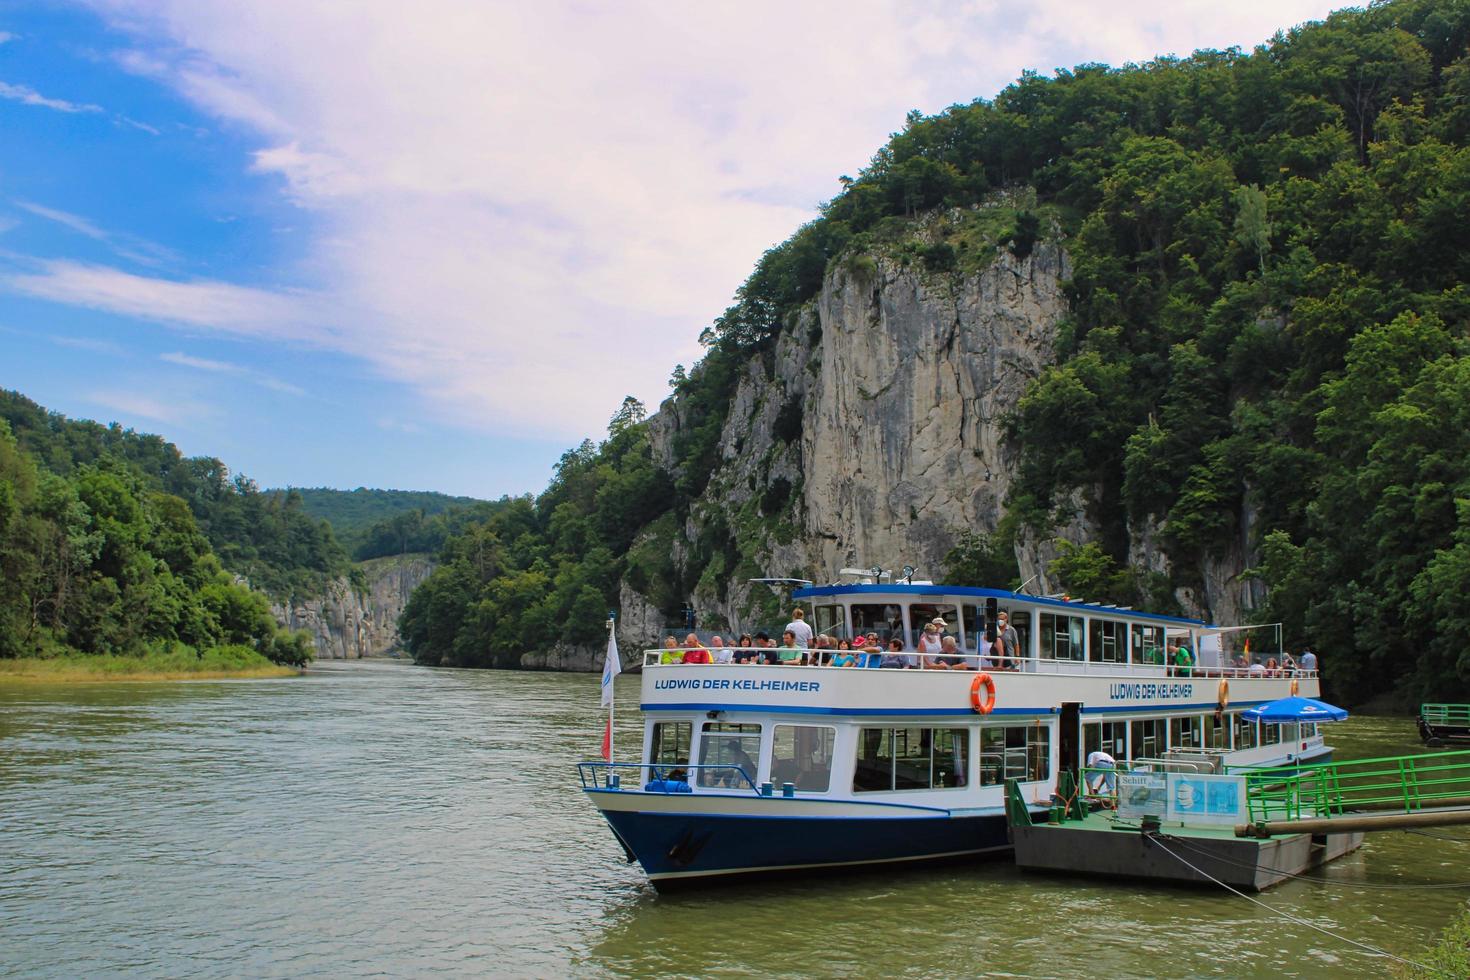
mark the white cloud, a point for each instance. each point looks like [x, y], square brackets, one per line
[173, 412]
[128, 246]
[199, 304]
[6, 36]
[26, 95]
[527, 211]
[225, 367]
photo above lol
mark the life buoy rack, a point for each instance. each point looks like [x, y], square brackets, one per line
[1293, 687]
[984, 680]
[1224, 695]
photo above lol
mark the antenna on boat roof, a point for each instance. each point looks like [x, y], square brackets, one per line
[1022, 589]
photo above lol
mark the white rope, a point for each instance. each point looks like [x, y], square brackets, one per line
[1372, 950]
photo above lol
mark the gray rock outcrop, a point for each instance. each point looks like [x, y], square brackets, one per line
[348, 623]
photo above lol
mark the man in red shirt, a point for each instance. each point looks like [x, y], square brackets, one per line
[695, 653]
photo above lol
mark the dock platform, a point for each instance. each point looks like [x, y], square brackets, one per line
[1103, 844]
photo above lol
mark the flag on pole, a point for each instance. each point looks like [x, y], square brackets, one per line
[1247, 647]
[611, 667]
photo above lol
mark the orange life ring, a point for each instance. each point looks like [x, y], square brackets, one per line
[982, 679]
[1224, 695]
[1293, 687]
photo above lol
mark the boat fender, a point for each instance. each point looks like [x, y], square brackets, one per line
[1293, 687]
[1224, 700]
[982, 679]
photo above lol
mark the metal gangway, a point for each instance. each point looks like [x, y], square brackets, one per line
[1390, 793]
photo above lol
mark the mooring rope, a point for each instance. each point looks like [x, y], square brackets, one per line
[1372, 950]
[1321, 881]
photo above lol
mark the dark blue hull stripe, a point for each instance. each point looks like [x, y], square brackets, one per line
[690, 844]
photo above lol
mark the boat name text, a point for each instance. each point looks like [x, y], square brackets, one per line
[1140, 691]
[735, 684]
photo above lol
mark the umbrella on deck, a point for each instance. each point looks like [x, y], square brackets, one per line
[1294, 709]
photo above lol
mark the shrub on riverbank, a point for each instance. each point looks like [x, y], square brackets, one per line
[173, 663]
[1450, 956]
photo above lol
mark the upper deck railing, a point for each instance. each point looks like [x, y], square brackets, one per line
[962, 660]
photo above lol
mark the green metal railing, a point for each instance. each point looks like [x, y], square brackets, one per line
[1445, 714]
[1400, 783]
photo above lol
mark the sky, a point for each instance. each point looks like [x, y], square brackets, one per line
[434, 245]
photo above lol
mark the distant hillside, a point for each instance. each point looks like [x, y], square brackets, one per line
[269, 538]
[361, 517]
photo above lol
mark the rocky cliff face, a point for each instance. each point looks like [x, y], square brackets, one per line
[348, 623]
[897, 380]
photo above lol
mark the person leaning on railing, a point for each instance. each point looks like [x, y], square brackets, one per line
[672, 654]
[694, 652]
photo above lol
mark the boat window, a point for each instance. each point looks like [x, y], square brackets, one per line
[920, 613]
[1217, 734]
[1149, 738]
[910, 758]
[1185, 733]
[1014, 752]
[950, 757]
[1245, 733]
[1309, 729]
[1061, 637]
[1270, 734]
[1107, 641]
[728, 744]
[1109, 736]
[830, 620]
[883, 619]
[802, 754]
[973, 637]
[1148, 644]
[670, 742]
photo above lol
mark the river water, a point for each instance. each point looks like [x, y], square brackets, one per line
[376, 818]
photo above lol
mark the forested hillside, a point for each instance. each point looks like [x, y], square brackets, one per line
[268, 538]
[1267, 336]
[372, 523]
[100, 561]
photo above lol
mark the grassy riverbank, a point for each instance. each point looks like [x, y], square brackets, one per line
[180, 663]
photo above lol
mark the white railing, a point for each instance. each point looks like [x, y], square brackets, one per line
[960, 660]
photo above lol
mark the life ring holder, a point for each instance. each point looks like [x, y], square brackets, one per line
[984, 680]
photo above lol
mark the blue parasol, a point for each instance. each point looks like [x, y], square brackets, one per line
[1294, 709]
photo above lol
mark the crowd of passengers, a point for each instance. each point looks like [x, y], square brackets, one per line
[801, 646]
[935, 650]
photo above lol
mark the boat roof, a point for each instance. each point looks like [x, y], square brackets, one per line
[966, 591]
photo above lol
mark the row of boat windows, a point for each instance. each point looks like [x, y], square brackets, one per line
[1060, 636]
[887, 759]
[1150, 738]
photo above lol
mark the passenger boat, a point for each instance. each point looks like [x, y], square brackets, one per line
[750, 769]
[1441, 723]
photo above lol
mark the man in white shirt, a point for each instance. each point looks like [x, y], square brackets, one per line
[1308, 659]
[718, 650]
[1097, 781]
[800, 629]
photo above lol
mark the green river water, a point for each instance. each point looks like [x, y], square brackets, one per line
[380, 819]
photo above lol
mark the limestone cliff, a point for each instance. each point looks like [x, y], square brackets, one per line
[348, 622]
[873, 435]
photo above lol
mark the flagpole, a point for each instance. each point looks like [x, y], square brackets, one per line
[612, 704]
